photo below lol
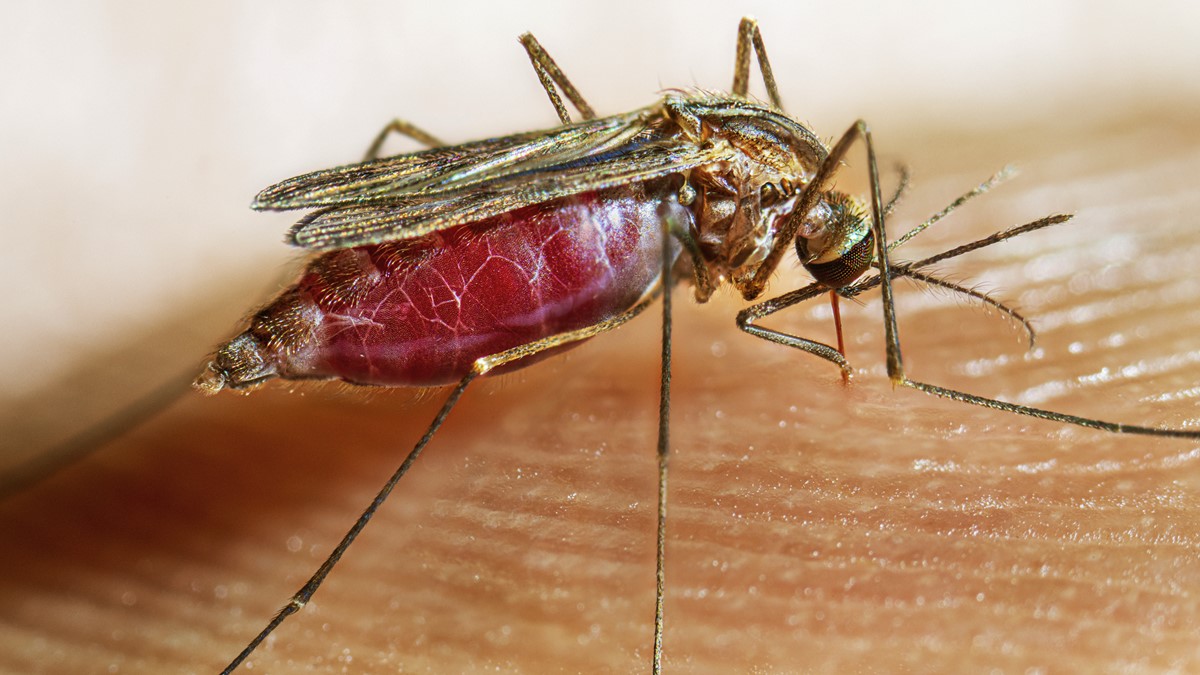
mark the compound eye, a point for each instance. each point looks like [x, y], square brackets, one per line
[842, 271]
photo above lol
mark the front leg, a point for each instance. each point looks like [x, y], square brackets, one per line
[747, 317]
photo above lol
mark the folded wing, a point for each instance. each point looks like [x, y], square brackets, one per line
[409, 196]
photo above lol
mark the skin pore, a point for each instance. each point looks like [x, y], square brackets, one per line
[812, 526]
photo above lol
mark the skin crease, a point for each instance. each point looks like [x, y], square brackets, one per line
[813, 527]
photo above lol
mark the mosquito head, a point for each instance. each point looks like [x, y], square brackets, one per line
[836, 244]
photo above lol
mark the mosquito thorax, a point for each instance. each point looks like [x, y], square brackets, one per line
[737, 202]
[836, 244]
[773, 141]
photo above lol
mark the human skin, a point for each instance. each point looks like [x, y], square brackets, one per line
[813, 526]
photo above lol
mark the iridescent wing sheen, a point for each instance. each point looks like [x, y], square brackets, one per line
[448, 168]
[413, 195]
[418, 215]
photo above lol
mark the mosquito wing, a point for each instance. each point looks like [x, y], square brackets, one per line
[448, 168]
[412, 195]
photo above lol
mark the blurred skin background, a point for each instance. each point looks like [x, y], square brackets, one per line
[813, 527]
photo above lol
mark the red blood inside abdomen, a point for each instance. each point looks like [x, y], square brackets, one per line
[421, 312]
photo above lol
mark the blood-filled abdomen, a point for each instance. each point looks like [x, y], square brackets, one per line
[420, 312]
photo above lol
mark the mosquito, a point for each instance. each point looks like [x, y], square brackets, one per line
[455, 262]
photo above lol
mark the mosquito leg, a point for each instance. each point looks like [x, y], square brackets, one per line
[895, 362]
[821, 184]
[747, 317]
[404, 128]
[672, 227]
[702, 281]
[301, 598]
[813, 192]
[749, 36]
[910, 270]
[488, 363]
[1101, 425]
[481, 367]
[553, 79]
